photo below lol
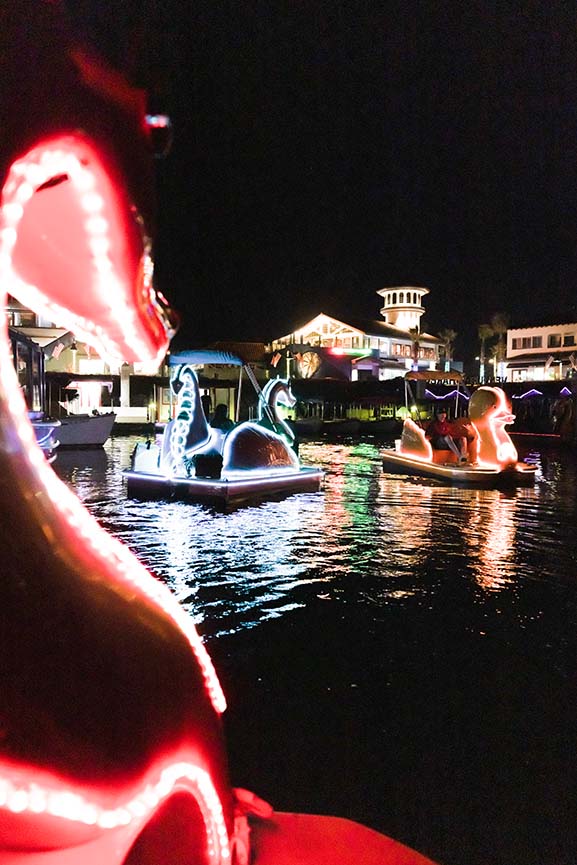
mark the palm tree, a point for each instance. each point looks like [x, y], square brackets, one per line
[493, 360]
[485, 332]
[500, 325]
[414, 331]
[447, 337]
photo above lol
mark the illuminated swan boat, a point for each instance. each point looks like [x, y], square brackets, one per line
[197, 462]
[111, 748]
[493, 459]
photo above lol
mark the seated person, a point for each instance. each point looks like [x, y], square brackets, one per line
[439, 434]
[462, 428]
[220, 419]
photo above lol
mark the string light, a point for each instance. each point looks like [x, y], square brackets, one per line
[64, 802]
[74, 160]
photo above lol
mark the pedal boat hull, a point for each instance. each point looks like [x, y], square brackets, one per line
[466, 474]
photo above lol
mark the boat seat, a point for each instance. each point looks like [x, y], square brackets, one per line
[207, 465]
[444, 456]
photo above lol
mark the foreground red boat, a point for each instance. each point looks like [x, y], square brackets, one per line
[111, 750]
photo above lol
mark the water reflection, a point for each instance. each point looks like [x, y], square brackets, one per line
[84, 468]
[434, 630]
[489, 533]
[366, 536]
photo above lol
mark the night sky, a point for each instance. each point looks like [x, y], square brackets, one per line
[325, 150]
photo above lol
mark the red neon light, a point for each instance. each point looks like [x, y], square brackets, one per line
[414, 443]
[30, 793]
[72, 250]
[86, 265]
[102, 313]
[157, 121]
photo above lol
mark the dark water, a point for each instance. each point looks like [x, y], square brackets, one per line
[393, 651]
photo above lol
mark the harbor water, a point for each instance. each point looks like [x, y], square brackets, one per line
[394, 651]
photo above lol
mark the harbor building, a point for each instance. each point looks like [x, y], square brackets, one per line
[78, 381]
[361, 349]
[542, 353]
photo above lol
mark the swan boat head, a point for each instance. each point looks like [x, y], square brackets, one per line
[489, 412]
[77, 210]
[109, 703]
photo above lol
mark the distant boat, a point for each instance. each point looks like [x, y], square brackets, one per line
[492, 460]
[85, 430]
[198, 462]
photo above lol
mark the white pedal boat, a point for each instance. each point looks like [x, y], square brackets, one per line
[198, 463]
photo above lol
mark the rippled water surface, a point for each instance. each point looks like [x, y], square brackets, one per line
[393, 651]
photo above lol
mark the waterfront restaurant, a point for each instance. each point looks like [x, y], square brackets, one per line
[361, 349]
[542, 353]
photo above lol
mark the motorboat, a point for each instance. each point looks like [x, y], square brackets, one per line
[197, 462]
[112, 748]
[492, 459]
[85, 430]
[64, 429]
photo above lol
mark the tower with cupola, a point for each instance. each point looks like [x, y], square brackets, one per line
[403, 306]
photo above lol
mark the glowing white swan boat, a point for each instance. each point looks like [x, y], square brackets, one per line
[110, 749]
[199, 463]
[493, 459]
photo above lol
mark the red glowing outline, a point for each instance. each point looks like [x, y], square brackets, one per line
[20, 790]
[64, 801]
[99, 198]
[129, 569]
[495, 448]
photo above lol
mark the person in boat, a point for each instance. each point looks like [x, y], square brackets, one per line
[220, 419]
[439, 432]
[463, 430]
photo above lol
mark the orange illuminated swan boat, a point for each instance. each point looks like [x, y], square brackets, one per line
[493, 459]
[111, 749]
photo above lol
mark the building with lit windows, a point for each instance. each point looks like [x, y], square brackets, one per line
[542, 353]
[363, 349]
[80, 382]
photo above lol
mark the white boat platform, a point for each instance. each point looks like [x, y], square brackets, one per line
[224, 491]
[464, 474]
